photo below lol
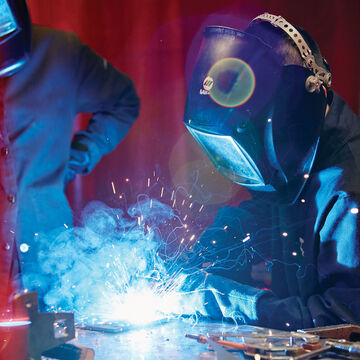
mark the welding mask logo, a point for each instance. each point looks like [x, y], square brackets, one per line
[208, 83]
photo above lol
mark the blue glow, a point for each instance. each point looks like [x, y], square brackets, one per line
[126, 264]
[24, 247]
[229, 158]
[110, 269]
[340, 227]
[7, 21]
[14, 323]
[12, 68]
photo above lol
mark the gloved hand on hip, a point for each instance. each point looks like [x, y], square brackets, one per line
[78, 162]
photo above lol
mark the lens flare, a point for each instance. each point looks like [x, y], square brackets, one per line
[233, 82]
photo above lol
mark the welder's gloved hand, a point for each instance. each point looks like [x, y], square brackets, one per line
[79, 162]
[217, 298]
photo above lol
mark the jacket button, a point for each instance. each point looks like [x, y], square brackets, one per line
[4, 151]
[11, 198]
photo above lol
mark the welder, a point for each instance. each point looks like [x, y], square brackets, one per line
[51, 79]
[261, 107]
[47, 78]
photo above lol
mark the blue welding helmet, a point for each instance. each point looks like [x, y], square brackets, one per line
[252, 115]
[15, 36]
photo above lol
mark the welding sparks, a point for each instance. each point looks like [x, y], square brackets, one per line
[113, 187]
[143, 305]
[24, 247]
[124, 264]
[114, 264]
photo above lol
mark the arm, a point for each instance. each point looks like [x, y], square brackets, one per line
[233, 242]
[337, 296]
[111, 98]
[227, 250]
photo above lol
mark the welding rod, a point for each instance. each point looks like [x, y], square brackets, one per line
[198, 338]
[231, 344]
[203, 339]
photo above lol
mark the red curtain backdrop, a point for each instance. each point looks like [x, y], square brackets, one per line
[155, 42]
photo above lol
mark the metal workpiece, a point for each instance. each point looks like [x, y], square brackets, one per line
[261, 343]
[48, 333]
[46, 330]
[350, 332]
[348, 346]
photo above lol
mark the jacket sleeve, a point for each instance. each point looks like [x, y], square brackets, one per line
[235, 240]
[337, 298]
[110, 97]
[338, 265]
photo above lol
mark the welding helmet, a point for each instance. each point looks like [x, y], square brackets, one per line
[15, 36]
[257, 120]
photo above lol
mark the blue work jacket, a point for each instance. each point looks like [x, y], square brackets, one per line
[62, 78]
[306, 254]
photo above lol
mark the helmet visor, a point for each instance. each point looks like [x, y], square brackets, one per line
[229, 157]
[7, 21]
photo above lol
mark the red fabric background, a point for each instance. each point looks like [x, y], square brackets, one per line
[155, 42]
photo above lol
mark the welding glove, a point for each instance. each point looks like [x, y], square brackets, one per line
[78, 163]
[217, 298]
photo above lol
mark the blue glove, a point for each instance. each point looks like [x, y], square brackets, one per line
[78, 163]
[217, 297]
